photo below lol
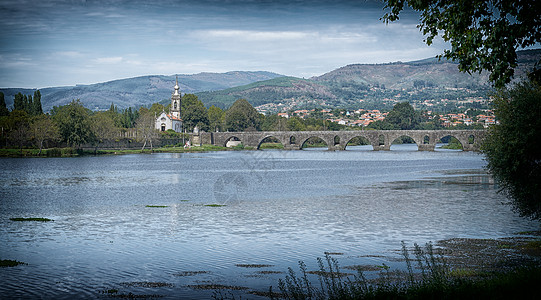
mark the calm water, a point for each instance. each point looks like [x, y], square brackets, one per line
[280, 207]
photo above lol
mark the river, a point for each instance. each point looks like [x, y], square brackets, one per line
[171, 224]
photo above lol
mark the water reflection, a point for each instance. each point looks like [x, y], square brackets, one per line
[281, 207]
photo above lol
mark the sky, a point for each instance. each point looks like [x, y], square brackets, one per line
[62, 43]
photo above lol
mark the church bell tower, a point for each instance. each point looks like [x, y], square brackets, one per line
[175, 101]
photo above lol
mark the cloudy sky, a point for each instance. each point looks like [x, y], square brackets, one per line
[55, 42]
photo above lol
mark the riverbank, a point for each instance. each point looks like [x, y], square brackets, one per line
[73, 152]
[458, 268]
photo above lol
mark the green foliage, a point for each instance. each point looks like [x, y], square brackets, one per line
[194, 113]
[242, 116]
[4, 111]
[295, 124]
[216, 118]
[18, 102]
[74, 124]
[43, 129]
[483, 34]
[36, 105]
[513, 148]
[403, 116]
[10, 263]
[31, 219]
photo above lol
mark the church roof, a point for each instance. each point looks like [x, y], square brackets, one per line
[173, 117]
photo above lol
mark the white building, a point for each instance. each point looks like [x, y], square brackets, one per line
[172, 120]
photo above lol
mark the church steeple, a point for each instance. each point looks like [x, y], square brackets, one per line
[176, 101]
[176, 86]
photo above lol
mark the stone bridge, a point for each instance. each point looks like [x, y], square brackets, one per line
[338, 140]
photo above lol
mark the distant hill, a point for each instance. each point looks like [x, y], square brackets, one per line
[368, 83]
[138, 91]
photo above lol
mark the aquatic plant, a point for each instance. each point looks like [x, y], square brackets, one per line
[31, 219]
[10, 263]
[158, 206]
[435, 281]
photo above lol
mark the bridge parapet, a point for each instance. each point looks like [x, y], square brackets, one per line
[338, 140]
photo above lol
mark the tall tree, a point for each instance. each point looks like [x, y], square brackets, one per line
[195, 115]
[513, 148]
[104, 128]
[74, 124]
[484, 35]
[37, 109]
[43, 129]
[19, 122]
[18, 102]
[403, 116]
[242, 116]
[216, 118]
[146, 129]
[4, 111]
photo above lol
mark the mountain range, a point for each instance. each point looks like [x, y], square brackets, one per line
[345, 86]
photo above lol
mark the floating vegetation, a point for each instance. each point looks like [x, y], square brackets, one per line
[31, 219]
[329, 274]
[333, 253]
[214, 205]
[253, 266]
[133, 296]
[217, 287]
[4, 263]
[269, 272]
[159, 206]
[146, 284]
[190, 273]
[269, 294]
[363, 268]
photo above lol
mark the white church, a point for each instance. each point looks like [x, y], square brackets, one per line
[172, 120]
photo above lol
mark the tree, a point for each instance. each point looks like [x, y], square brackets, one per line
[146, 127]
[403, 116]
[189, 100]
[513, 148]
[18, 102]
[103, 126]
[216, 118]
[295, 124]
[195, 115]
[484, 35]
[36, 105]
[4, 111]
[18, 123]
[73, 121]
[43, 128]
[242, 116]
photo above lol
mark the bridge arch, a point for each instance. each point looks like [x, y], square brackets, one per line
[403, 139]
[358, 140]
[453, 141]
[314, 139]
[272, 139]
[232, 141]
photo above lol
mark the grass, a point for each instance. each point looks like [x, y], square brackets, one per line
[432, 278]
[277, 146]
[31, 219]
[71, 152]
[4, 263]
